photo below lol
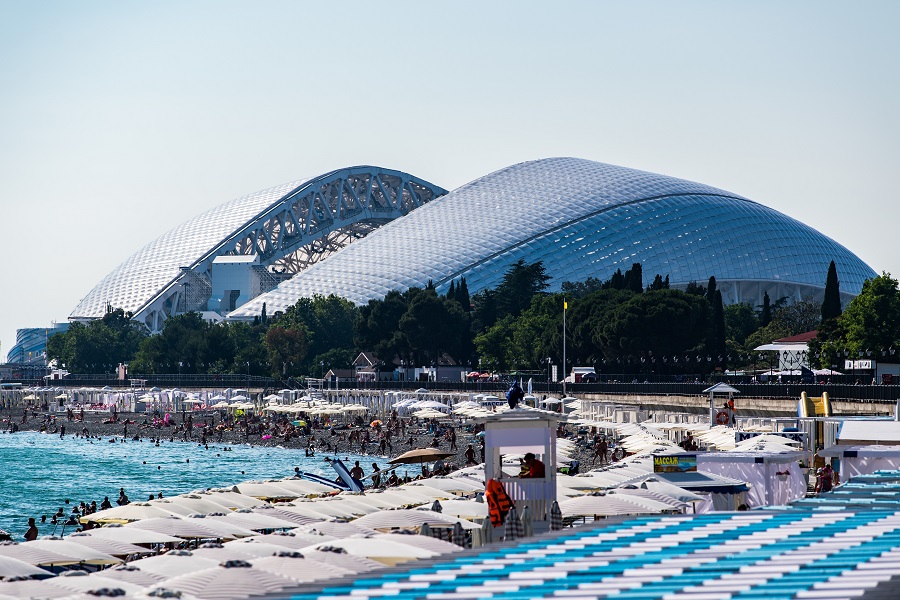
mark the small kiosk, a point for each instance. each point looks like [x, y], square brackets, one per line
[512, 434]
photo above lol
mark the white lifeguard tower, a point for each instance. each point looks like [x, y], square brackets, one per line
[512, 434]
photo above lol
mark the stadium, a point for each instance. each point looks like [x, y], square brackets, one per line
[363, 231]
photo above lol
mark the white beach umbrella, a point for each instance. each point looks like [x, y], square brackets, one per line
[111, 547]
[13, 567]
[182, 528]
[221, 553]
[465, 509]
[230, 499]
[383, 551]
[130, 535]
[80, 581]
[604, 505]
[338, 508]
[296, 566]
[32, 588]
[34, 554]
[288, 540]
[174, 563]
[288, 513]
[253, 520]
[225, 530]
[266, 490]
[335, 529]
[131, 574]
[304, 487]
[232, 579]
[72, 549]
[424, 542]
[134, 511]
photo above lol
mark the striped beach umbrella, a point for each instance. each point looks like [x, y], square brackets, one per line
[556, 518]
[514, 528]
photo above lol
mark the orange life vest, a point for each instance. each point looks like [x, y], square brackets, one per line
[498, 501]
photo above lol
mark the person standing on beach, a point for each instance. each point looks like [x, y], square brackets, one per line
[32, 532]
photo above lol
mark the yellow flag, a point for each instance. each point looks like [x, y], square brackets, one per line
[565, 305]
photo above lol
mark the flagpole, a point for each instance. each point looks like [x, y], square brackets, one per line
[565, 306]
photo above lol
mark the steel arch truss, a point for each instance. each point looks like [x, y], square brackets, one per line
[316, 219]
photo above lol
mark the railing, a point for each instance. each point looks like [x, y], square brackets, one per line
[537, 494]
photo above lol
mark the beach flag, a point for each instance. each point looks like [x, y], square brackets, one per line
[529, 385]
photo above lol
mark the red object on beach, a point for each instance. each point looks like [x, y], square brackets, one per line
[375, 423]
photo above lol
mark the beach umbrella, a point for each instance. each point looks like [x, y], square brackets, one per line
[81, 553]
[131, 574]
[129, 535]
[642, 498]
[637, 492]
[266, 490]
[527, 521]
[459, 535]
[335, 529]
[174, 563]
[419, 456]
[232, 579]
[222, 529]
[111, 547]
[401, 518]
[386, 552]
[425, 542]
[13, 567]
[232, 500]
[34, 554]
[603, 505]
[448, 484]
[134, 511]
[514, 528]
[221, 553]
[465, 509]
[556, 518]
[304, 486]
[182, 528]
[253, 520]
[191, 502]
[300, 514]
[32, 588]
[80, 581]
[288, 540]
[308, 510]
[296, 566]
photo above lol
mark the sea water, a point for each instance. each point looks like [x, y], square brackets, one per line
[41, 471]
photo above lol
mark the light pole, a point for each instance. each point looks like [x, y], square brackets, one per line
[565, 306]
[548, 375]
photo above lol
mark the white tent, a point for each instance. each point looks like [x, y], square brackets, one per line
[775, 478]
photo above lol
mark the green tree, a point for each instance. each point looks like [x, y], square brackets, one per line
[831, 303]
[872, 319]
[740, 322]
[716, 345]
[765, 313]
[433, 325]
[519, 285]
[287, 349]
[665, 322]
[98, 346]
[327, 323]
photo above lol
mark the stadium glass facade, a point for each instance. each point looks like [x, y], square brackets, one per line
[583, 219]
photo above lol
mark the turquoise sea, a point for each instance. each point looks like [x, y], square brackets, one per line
[42, 471]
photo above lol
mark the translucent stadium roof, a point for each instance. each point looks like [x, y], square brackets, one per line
[146, 272]
[582, 219]
[280, 230]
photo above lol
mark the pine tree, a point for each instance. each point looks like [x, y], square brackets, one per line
[831, 304]
[765, 315]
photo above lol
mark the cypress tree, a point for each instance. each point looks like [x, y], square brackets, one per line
[831, 304]
[711, 291]
[451, 293]
[765, 315]
[462, 295]
[634, 278]
[718, 347]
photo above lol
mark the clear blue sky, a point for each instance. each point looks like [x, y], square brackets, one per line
[120, 120]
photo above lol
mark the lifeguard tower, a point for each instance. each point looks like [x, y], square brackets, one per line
[511, 434]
